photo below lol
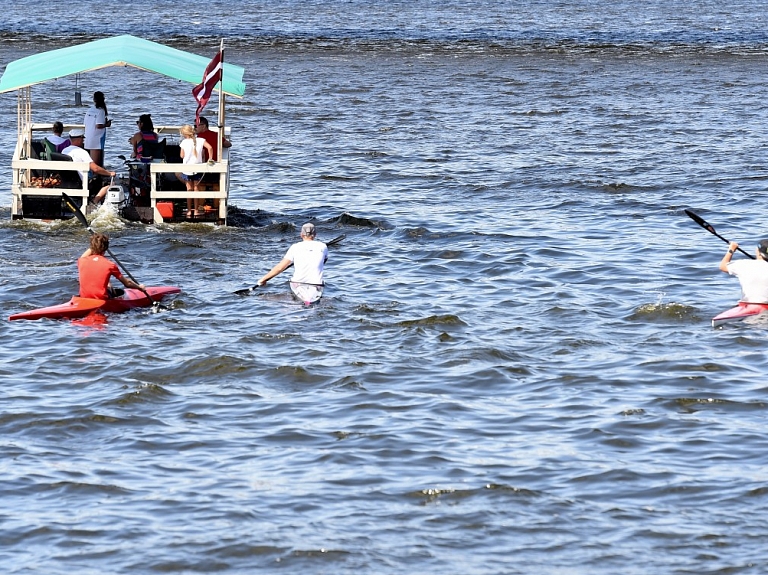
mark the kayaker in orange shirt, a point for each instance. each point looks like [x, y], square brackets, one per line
[95, 270]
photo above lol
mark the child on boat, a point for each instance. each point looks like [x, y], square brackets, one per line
[192, 153]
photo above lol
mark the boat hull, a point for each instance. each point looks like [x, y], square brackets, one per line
[306, 293]
[740, 312]
[79, 307]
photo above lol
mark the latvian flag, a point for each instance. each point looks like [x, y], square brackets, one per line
[202, 92]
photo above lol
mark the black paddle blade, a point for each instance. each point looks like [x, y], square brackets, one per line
[700, 221]
[712, 231]
[75, 210]
[246, 291]
[336, 240]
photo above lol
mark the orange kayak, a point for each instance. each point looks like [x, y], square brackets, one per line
[79, 307]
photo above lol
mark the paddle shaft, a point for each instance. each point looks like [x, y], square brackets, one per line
[125, 271]
[712, 231]
[82, 220]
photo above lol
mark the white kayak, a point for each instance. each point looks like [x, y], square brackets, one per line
[306, 293]
[742, 311]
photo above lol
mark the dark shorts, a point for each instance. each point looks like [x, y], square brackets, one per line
[191, 178]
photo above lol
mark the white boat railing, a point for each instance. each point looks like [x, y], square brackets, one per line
[23, 166]
[25, 184]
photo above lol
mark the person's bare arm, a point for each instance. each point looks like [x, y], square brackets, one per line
[283, 265]
[727, 257]
[129, 283]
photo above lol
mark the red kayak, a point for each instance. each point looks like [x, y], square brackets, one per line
[81, 306]
[742, 311]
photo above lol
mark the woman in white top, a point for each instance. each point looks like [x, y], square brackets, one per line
[192, 153]
[96, 124]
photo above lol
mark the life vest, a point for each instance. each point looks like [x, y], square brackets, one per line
[145, 149]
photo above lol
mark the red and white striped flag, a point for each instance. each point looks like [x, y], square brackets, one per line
[202, 92]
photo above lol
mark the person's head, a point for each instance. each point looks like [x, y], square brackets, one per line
[187, 131]
[77, 136]
[762, 249]
[58, 128]
[98, 99]
[99, 243]
[308, 231]
[145, 123]
[202, 125]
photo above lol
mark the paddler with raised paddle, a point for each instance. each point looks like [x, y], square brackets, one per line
[752, 273]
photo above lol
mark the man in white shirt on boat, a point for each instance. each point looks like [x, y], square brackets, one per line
[752, 274]
[308, 258]
[79, 154]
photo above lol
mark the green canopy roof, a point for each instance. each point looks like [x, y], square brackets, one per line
[116, 51]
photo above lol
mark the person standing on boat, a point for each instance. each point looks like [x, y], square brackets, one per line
[95, 270]
[307, 256]
[752, 274]
[212, 138]
[78, 154]
[96, 124]
[192, 153]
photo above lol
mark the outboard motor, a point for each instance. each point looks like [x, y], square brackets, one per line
[117, 197]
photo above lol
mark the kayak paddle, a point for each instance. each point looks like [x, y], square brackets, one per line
[246, 291]
[81, 218]
[712, 231]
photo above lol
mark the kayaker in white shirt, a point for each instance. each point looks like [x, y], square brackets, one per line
[752, 274]
[307, 256]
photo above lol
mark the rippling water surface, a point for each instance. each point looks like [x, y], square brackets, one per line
[512, 369]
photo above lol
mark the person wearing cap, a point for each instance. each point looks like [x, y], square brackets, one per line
[78, 154]
[307, 256]
[752, 274]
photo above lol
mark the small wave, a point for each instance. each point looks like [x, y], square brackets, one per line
[147, 393]
[433, 320]
[245, 218]
[432, 494]
[425, 233]
[350, 220]
[664, 312]
[338, 178]
[618, 187]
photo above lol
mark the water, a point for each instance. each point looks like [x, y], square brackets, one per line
[512, 369]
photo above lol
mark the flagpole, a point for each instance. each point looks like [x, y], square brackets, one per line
[220, 154]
